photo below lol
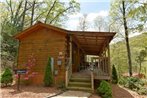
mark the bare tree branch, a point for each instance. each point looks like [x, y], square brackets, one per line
[23, 17]
[50, 11]
[33, 8]
[17, 11]
[60, 13]
[11, 9]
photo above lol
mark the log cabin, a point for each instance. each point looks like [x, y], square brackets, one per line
[69, 51]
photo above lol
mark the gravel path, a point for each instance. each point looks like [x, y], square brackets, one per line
[73, 94]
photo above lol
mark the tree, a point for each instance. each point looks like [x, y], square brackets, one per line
[48, 77]
[120, 12]
[114, 75]
[139, 14]
[83, 23]
[141, 58]
[127, 37]
[101, 23]
[7, 77]
[20, 14]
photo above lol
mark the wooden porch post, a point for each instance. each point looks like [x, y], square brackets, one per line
[109, 67]
[66, 78]
[78, 58]
[92, 81]
[70, 50]
[69, 66]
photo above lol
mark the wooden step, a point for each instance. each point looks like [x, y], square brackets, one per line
[75, 76]
[80, 88]
[80, 84]
[80, 79]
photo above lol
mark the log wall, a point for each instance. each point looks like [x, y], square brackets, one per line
[42, 44]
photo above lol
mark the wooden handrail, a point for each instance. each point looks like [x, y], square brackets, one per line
[68, 72]
[92, 81]
[92, 77]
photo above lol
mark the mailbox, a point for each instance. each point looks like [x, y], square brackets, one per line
[20, 71]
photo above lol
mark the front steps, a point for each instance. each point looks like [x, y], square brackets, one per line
[80, 83]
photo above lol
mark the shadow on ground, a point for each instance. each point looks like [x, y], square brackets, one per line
[119, 92]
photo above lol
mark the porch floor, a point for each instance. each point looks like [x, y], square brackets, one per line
[98, 74]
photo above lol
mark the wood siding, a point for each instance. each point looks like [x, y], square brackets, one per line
[42, 44]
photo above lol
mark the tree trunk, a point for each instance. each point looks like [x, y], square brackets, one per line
[127, 39]
[60, 14]
[33, 8]
[139, 68]
[50, 11]
[23, 17]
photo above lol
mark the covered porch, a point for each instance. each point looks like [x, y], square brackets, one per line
[99, 68]
[89, 55]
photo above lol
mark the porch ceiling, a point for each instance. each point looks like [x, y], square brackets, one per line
[93, 43]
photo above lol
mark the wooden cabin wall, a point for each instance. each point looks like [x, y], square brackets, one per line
[76, 57]
[42, 44]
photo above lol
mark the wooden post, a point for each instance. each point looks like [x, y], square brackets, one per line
[92, 81]
[109, 67]
[69, 66]
[103, 63]
[18, 83]
[66, 80]
[78, 58]
[70, 51]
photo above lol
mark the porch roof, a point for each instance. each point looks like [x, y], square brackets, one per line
[92, 43]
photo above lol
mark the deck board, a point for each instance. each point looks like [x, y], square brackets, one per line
[102, 77]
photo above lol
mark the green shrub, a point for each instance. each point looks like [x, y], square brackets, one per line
[104, 90]
[142, 91]
[7, 77]
[48, 77]
[122, 81]
[114, 75]
[134, 83]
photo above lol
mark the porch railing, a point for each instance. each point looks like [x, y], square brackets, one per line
[102, 66]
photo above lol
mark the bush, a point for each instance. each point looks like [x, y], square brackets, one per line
[7, 77]
[48, 77]
[104, 90]
[114, 75]
[134, 83]
[122, 81]
[142, 91]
